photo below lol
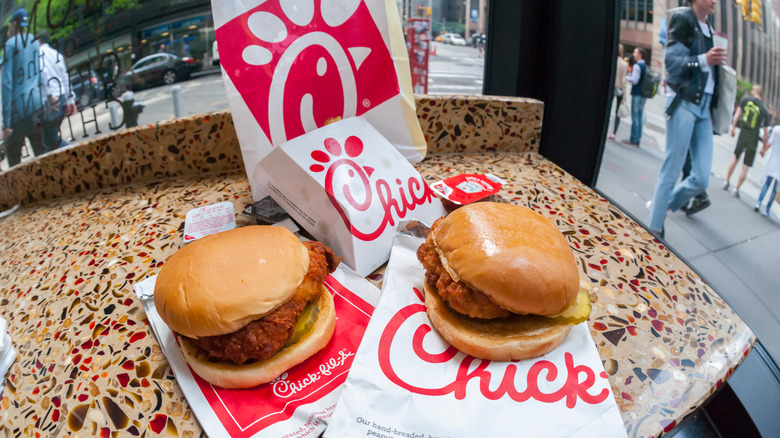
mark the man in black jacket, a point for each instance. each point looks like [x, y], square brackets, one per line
[692, 65]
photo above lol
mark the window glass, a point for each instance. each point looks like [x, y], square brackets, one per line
[109, 56]
[644, 141]
[145, 47]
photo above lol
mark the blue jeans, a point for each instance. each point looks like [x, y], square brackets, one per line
[690, 127]
[769, 182]
[637, 117]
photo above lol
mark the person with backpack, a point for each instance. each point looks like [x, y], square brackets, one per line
[638, 72]
[692, 63]
[751, 115]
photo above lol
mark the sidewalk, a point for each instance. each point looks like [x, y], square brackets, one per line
[736, 250]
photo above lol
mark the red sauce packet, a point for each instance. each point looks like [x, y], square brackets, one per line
[467, 188]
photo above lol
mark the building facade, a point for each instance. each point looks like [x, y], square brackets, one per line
[753, 48]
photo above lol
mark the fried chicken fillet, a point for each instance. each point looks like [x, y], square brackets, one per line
[460, 296]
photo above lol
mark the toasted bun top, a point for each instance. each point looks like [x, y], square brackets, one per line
[512, 254]
[220, 283]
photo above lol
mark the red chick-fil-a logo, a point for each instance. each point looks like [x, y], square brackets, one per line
[572, 389]
[413, 193]
[298, 63]
[285, 389]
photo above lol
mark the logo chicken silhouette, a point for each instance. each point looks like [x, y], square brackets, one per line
[297, 63]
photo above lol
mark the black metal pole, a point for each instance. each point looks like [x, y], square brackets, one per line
[563, 53]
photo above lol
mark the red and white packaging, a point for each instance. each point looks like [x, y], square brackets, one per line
[348, 187]
[290, 65]
[467, 188]
[407, 381]
[298, 403]
[211, 219]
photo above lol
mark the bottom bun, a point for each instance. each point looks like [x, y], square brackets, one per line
[230, 375]
[501, 339]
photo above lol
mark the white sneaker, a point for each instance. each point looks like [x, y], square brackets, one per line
[736, 194]
[725, 185]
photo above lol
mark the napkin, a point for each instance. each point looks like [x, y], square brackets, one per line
[7, 353]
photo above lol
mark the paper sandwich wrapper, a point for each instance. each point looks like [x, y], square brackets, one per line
[407, 381]
[300, 402]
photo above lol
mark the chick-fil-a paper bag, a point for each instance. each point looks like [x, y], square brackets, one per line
[348, 188]
[407, 381]
[298, 403]
[291, 65]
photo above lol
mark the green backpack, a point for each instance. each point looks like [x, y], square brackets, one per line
[648, 86]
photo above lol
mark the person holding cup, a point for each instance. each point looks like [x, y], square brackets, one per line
[692, 62]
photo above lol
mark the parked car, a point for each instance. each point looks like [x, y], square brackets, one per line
[88, 87]
[160, 68]
[454, 39]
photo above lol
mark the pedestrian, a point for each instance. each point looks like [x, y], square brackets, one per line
[59, 100]
[637, 100]
[751, 115]
[21, 94]
[620, 88]
[692, 63]
[771, 170]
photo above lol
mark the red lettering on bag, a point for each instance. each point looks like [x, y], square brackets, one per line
[417, 191]
[572, 390]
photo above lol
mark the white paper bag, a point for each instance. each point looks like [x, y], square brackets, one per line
[290, 65]
[407, 381]
[727, 94]
[348, 187]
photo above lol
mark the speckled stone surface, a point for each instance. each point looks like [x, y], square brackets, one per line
[89, 364]
[208, 143]
[188, 146]
[480, 123]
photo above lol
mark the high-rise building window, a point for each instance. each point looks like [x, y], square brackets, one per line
[640, 11]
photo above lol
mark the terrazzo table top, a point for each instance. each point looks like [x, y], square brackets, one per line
[89, 364]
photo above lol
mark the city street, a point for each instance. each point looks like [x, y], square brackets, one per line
[455, 70]
[204, 92]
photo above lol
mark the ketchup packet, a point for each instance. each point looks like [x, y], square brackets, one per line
[406, 381]
[298, 403]
[467, 188]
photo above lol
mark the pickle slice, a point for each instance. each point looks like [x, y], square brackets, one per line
[305, 322]
[577, 312]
